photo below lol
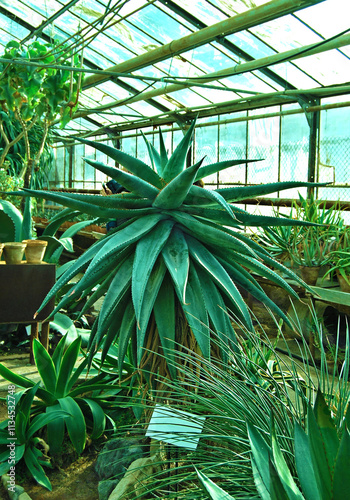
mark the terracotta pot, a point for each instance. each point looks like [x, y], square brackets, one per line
[344, 286]
[35, 251]
[13, 252]
[310, 274]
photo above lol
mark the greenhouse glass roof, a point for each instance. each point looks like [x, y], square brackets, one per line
[151, 62]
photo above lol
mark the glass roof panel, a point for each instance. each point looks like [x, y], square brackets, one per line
[158, 23]
[202, 10]
[22, 11]
[11, 28]
[326, 17]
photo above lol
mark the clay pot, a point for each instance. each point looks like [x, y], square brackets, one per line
[310, 274]
[35, 251]
[344, 286]
[13, 252]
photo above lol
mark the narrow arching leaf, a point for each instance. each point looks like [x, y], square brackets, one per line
[242, 192]
[216, 308]
[308, 474]
[134, 165]
[35, 469]
[98, 418]
[58, 220]
[176, 258]
[127, 327]
[146, 254]
[341, 479]
[214, 491]
[211, 265]
[177, 161]
[66, 368]
[75, 424]
[199, 192]
[163, 154]
[45, 366]
[213, 168]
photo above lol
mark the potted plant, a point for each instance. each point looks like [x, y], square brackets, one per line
[169, 273]
[339, 256]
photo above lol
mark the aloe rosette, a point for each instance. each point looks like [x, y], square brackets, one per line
[177, 260]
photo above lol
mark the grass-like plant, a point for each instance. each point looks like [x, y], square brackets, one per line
[229, 395]
[171, 271]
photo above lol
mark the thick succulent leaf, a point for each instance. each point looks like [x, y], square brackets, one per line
[327, 428]
[216, 236]
[98, 418]
[242, 192]
[129, 181]
[11, 221]
[146, 254]
[135, 166]
[164, 314]
[151, 292]
[277, 490]
[127, 327]
[176, 258]
[45, 366]
[262, 270]
[108, 254]
[114, 201]
[120, 283]
[74, 204]
[21, 381]
[216, 308]
[285, 270]
[97, 294]
[196, 313]
[174, 193]
[55, 430]
[261, 454]
[282, 469]
[213, 168]
[341, 477]
[35, 469]
[214, 491]
[319, 455]
[308, 474]
[177, 161]
[66, 368]
[75, 424]
[218, 274]
[43, 419]
[235, 272]
[58, 220]
[163, 154]
[153, 154]
[199, 192]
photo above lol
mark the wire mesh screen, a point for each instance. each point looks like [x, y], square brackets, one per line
[279, 143]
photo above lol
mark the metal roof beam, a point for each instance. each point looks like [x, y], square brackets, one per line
[235, 70]
[252, 17]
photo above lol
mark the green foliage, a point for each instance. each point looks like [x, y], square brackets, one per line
[38, 92]
[321, 455]
[24, 445]
[174, 245]
[11, 222]
[228, 394]
[85, 402]
[9, 183]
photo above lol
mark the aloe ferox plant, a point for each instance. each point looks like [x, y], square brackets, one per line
[171, 270]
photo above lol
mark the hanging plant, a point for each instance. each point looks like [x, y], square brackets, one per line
[35, 95]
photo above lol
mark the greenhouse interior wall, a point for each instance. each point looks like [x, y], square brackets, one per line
[279, 136]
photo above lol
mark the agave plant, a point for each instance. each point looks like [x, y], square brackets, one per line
[172, 269]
